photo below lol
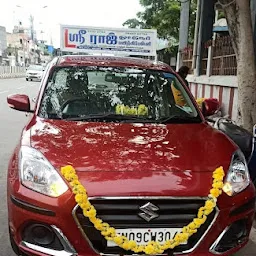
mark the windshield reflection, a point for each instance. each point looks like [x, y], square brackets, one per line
[116, 95]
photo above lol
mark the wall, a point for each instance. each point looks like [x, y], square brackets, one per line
[12, 72]
[13, 40]
[224, 88]
[3, 41]
[22, 50]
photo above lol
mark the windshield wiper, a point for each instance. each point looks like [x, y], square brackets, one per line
[110, 117]
[175, 119]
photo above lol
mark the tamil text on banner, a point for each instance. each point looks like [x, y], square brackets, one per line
[107, 40]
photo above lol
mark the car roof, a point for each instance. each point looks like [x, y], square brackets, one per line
[111, 61]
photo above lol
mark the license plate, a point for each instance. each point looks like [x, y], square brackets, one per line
[143, 235]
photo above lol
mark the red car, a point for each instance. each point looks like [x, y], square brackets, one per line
[142, 149]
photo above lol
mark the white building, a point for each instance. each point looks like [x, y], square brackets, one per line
[3, 41]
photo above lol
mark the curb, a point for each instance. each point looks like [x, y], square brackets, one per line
[16, 75]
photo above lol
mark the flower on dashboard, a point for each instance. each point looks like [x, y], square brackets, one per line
[120, 109]
[133, 111]
[142, 110]
[200, 102]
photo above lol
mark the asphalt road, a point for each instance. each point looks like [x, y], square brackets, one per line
[11, 123]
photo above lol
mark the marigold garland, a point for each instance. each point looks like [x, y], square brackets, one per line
[200, 102]
[142, 110]
[152, 247]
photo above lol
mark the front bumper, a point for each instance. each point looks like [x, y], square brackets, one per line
[34, 76]
[67, 250]
[72, 238]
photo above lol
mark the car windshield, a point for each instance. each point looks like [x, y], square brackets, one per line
[35, 67]
[116, 94]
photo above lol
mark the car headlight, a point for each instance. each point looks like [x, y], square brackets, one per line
[238, 177]
[38, 174]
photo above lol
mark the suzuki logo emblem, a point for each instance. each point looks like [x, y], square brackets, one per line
[149, 212]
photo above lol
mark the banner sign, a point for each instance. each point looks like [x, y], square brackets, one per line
[106, 40]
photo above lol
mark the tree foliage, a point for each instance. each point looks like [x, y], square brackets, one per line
[134, 23]
[239, 20]
[163, 15]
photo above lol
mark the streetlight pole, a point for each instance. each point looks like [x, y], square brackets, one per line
[196, 35]
[199, 42]
[31, 19]
[184, 28]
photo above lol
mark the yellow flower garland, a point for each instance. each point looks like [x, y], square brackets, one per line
[142, 110]
[152, 247]
[200, 102]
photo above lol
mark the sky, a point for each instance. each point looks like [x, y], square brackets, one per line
[98, 13]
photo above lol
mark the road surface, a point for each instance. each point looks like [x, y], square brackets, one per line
[11, 123]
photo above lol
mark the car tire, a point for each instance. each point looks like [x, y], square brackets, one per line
[26, 79]
[31, 79]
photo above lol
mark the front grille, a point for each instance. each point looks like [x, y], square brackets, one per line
[123, 213]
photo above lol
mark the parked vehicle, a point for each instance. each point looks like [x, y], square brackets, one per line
[34, 72]
[145, 158]
[244, 139]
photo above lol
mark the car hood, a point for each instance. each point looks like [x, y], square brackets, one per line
[117, 158]
[34, 71]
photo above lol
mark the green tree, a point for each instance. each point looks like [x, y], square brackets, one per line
[163, 15]
[239, 20]
[134, 23]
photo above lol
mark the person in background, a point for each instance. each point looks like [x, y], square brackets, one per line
[183, 72]
[178, 96]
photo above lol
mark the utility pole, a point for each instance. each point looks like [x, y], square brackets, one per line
[184, 28]
[198, 12]
[31, 19]
[199, 42]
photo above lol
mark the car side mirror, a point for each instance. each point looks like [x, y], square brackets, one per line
[19, 102]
